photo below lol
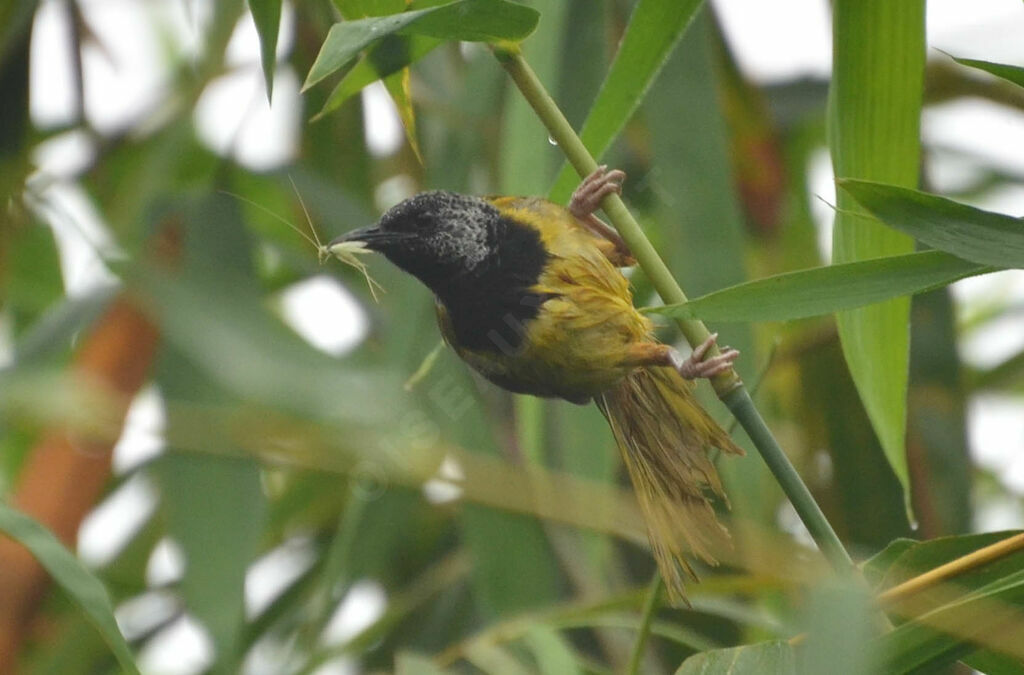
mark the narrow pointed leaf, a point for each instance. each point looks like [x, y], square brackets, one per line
[1013, 74]
[386, 58]
[397, 85]
[388, 61]
[973, 234]
[469, 20]
[653, 32]
[214, 508]
[553, 653]
[825, 290]
[990, 616]
[407, 663]
[777, 657]
[267, 16]
[905, 559]
[874, 131]
[71, 575]
[979, 591]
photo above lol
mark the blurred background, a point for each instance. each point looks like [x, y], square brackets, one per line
[282, 497]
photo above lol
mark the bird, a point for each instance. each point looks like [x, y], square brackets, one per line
[530, 294]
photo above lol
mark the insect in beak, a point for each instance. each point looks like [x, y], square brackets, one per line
[351, 244]
[370, 237]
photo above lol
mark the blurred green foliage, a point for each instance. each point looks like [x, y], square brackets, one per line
[497, 529]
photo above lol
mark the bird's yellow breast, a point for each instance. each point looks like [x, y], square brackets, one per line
[576, 345]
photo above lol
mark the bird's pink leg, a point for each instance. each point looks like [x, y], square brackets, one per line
[587, 199]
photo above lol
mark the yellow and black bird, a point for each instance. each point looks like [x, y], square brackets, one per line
[529, 294]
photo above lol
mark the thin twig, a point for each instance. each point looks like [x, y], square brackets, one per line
[953, 568]
[651, 604]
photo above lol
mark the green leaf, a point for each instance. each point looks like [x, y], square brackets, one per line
[953, 606]
[1013, 74]
[388, 57]
[824, 290]
[1008, 374]
[266, 14]
[238, 343]
[32, 277]
[554, 655]
[509, 581]
[71, 575]
[388, 60]
[915, 558]
[990, 615]
[994, 663]
[876, 567]
[494, 659]
[972, 234]
[407, 663]
[874, 131]
[839, 620]
[526, 161]
[654, 29]
[776, 657]
[469, 20]
[215, 510]
[53, 333]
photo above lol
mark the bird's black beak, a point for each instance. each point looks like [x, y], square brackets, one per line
[364, 234]
[372, 236]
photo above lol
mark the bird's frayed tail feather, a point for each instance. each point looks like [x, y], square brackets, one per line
[664, 437]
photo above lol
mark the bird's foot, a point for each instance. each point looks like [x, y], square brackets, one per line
[697, 366]
[595, 187]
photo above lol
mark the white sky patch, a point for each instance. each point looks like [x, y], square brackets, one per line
[244, 46]
[444, 486]
[51, 87]
[768, 53]
[233, 116]
[234, 119]
[142, 613]
[995, 340]
[1006, 199]
[81, 237]
[383, 126]
[392, 190]
[183, 648]
[142, 438]
[998, 513]
[789, 521]
[269, 576]
[996, 433]
[117, 519]
[126, 76]
[950, 171]
[364, 603]
[324, 313]
[982, 128]
[64, 155]
[166, 563]
[822, 185]
[989, 30]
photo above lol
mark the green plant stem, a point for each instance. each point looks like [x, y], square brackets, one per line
[728, 386]
[651, 603]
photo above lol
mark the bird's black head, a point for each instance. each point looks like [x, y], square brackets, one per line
[435, 236]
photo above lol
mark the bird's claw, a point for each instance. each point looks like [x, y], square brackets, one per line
[595, 187]
[697, 366]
